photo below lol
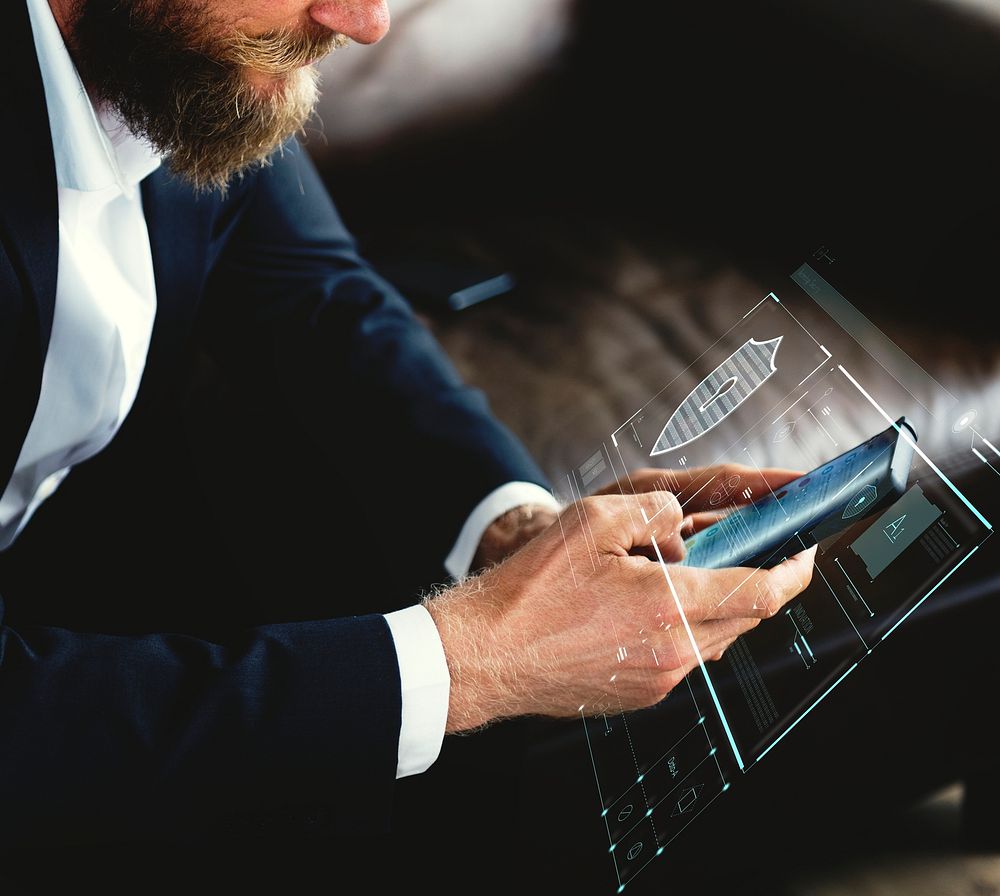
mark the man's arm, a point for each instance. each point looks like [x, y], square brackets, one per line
[110, 736]
[291, 301]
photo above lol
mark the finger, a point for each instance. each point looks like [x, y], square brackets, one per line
[704, 488]
[695, 522]
[621, 524]
[740, 591]
[646, 479]
[672, 549]
[674, 648]
[651, 479]
[732, 484]
[719, 650]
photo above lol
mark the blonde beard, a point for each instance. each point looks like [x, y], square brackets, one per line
[251, 122]
[216, 102]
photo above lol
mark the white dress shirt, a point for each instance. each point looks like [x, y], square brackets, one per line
[104, 312]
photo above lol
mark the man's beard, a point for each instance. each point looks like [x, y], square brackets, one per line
[178, 79]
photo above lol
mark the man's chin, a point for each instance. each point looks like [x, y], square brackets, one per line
[266, 84]
[269, 110]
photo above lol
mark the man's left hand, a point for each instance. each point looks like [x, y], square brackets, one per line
[511, 531]
[706, 494]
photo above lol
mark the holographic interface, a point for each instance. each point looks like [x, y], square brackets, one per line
[781, 387]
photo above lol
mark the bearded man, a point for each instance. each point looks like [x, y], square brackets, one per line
[154, 199]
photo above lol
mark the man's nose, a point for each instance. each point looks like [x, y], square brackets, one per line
[364, 21]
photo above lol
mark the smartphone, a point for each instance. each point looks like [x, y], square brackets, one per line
[808, 509]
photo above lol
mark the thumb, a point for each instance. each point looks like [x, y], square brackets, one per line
[622, 524]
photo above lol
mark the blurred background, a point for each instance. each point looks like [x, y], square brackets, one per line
[636, 172]
[640, 170]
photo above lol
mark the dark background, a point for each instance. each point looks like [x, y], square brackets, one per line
[761, 129]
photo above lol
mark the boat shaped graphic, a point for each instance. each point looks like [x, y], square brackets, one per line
[719, 394]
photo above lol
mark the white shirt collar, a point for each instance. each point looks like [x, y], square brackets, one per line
[93, 150]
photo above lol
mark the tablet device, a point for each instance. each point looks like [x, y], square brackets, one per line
[814, 506]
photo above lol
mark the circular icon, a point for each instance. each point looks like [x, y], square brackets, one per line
[965, 421]
[625, 813]
[634, 851]
[724, 491]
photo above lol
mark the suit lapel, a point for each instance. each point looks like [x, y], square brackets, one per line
[29, 210]
[179, 225]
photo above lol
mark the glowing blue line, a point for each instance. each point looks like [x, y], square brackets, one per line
[811, 708]
[916, 448]
[804, 641]
[701, 660]
[929, 593]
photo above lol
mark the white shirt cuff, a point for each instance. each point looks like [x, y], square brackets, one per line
[425, 685]
[494, 505]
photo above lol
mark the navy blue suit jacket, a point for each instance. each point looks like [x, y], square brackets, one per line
[304, 711]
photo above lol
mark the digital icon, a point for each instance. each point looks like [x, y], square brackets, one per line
[622, 654]
[724, 491]
[625, 812]
[747, 493]
[719, 394]
[634, 851]
[965, 421]
[800, 645]
[593, 468]
[894, 529]
[861, 502]
[784, 431]
[826, 412]
[687, 800]
[760, 601]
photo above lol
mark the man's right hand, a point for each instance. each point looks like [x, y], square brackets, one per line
[581, 620]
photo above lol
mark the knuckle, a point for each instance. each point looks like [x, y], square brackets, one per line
[595, 507]
[782, 585]
[675, 511]
[665, 612]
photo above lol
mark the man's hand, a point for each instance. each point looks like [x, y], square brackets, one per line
[706, 494]
[542, 632]
[696, 488]
[509, 532]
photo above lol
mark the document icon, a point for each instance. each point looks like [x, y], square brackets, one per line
[719, 394]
